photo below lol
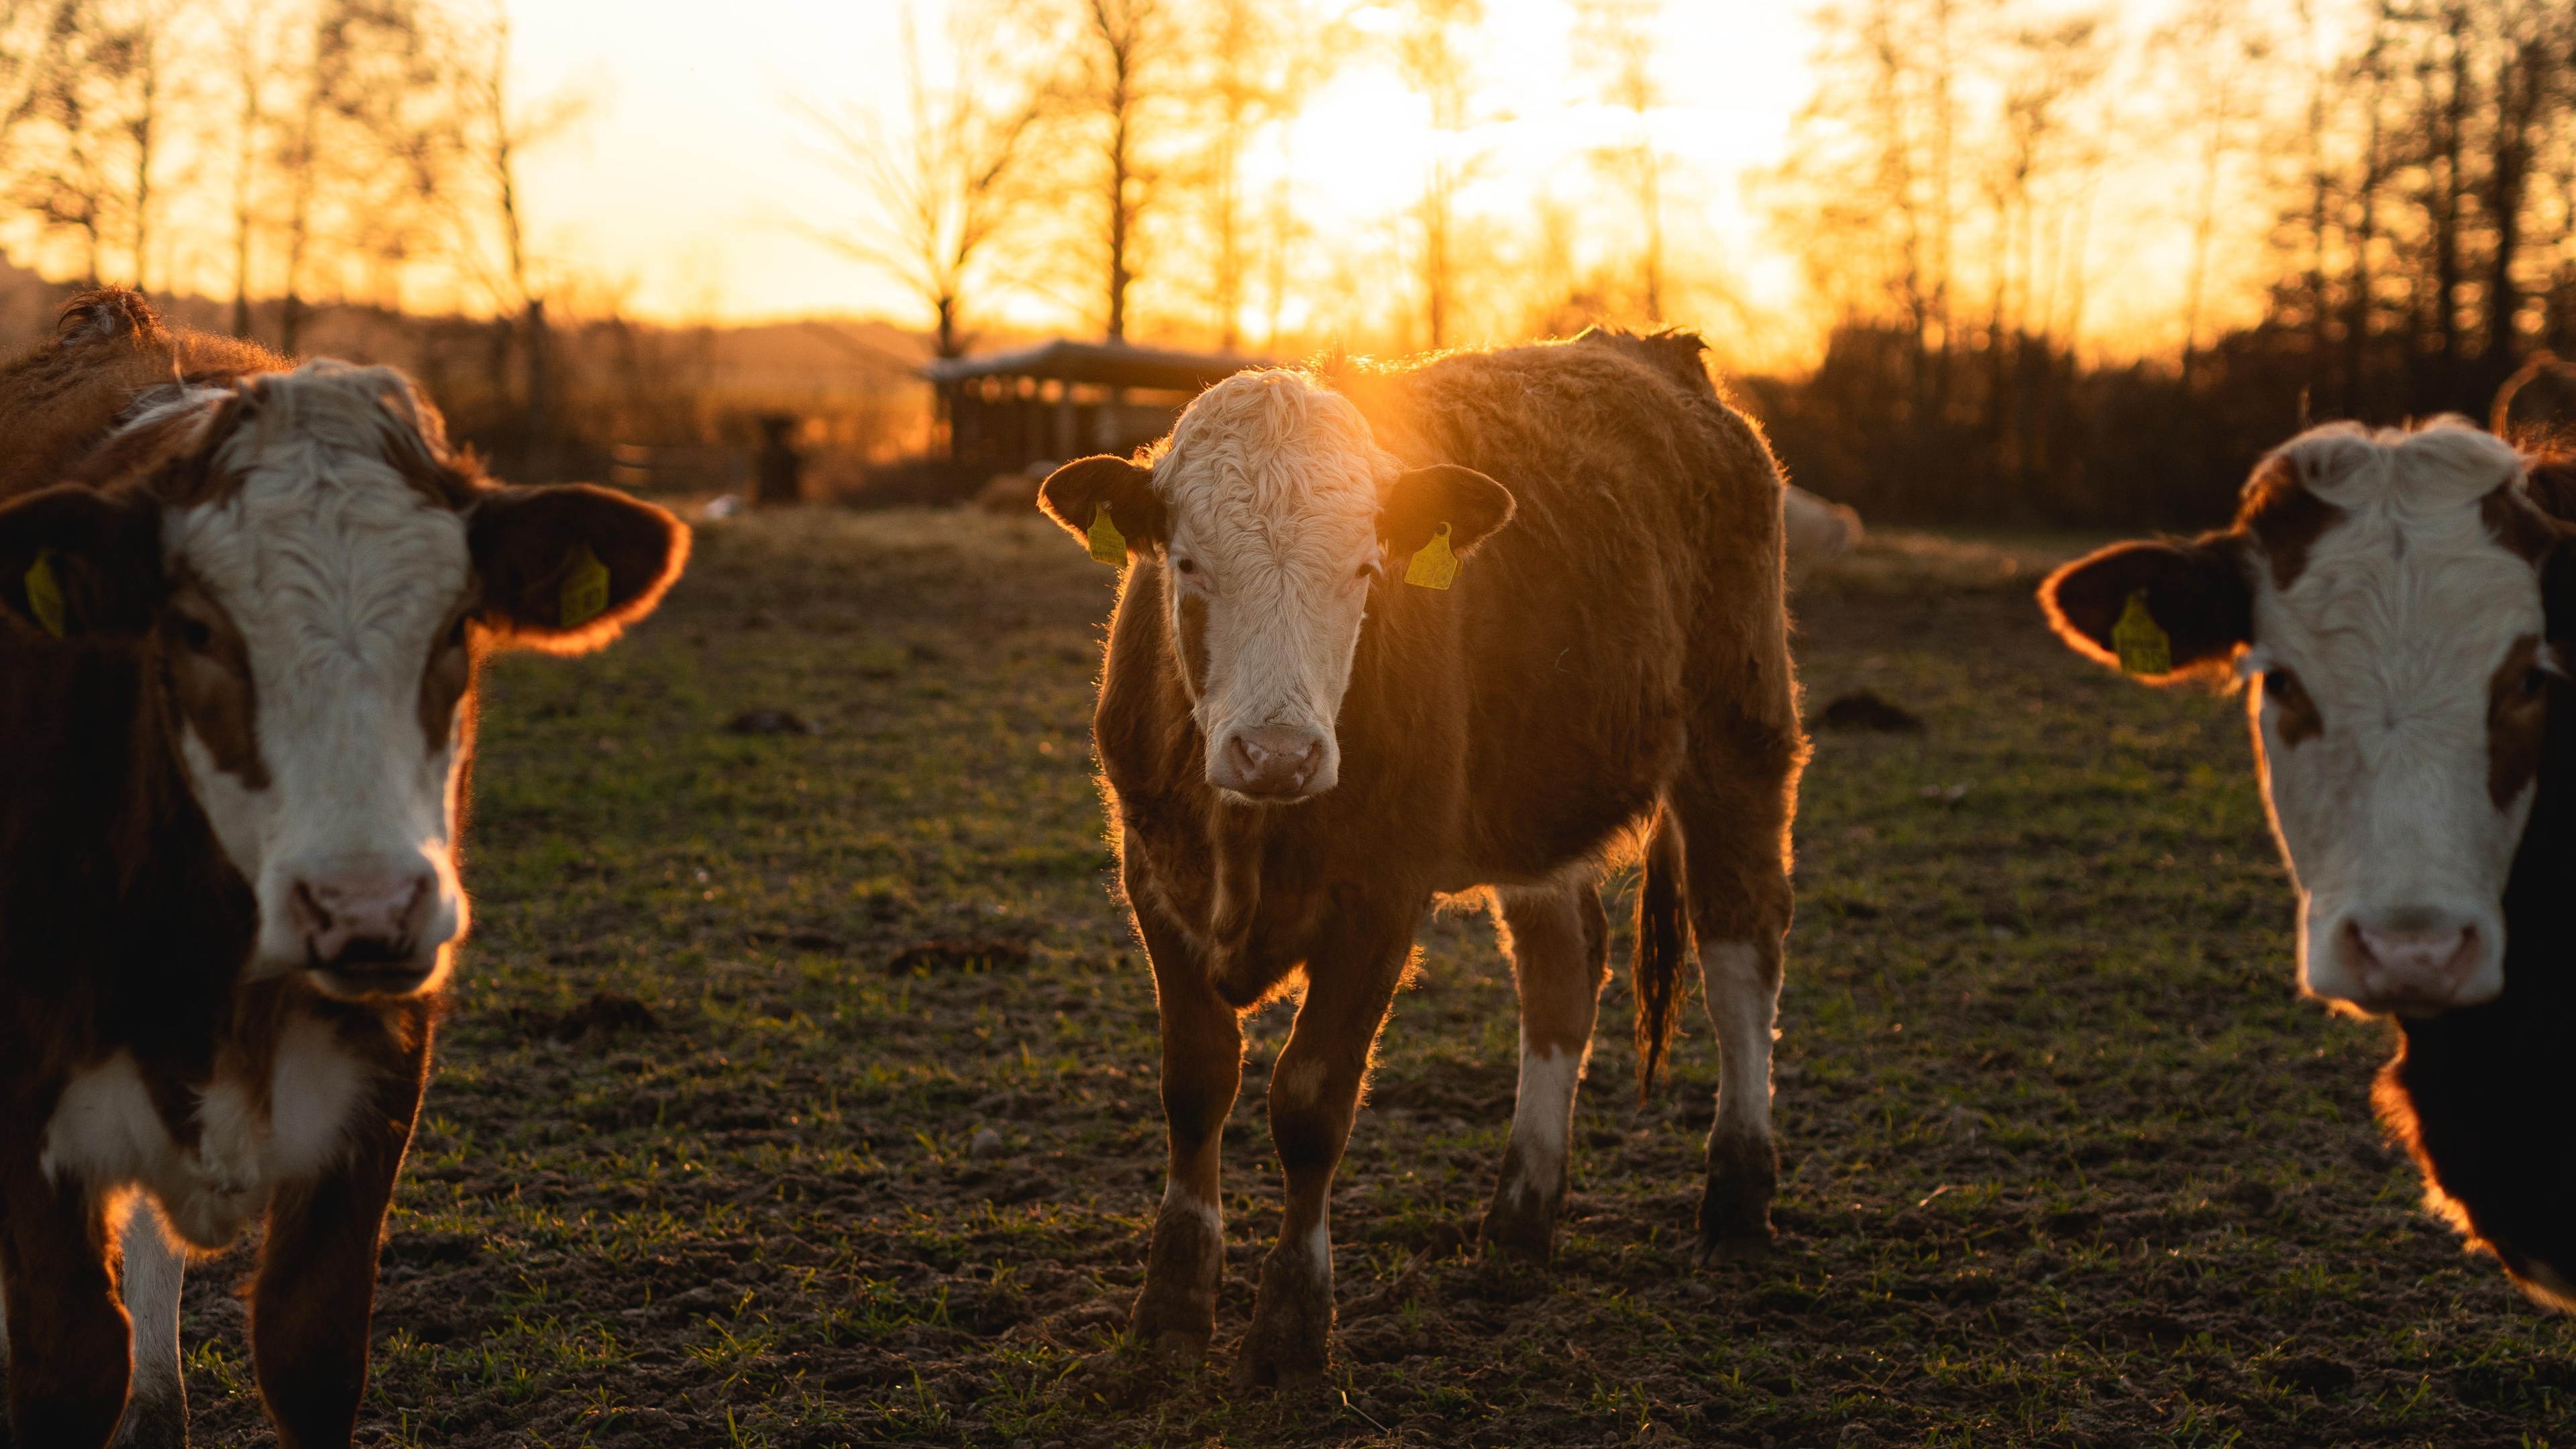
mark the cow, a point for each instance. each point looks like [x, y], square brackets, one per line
[242, 607]
[1818, 527]
[2401, 602]
[1393, 633]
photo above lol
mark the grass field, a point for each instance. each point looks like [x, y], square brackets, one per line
[2064, 1160]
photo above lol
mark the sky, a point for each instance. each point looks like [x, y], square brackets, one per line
[691, 187]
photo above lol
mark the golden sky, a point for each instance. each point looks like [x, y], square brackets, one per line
[685, 185]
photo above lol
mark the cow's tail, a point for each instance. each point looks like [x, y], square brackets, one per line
[1663, 949]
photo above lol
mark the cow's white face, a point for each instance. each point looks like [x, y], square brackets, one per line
[1278, 519]
[2383, 593]
[1271, 490]
[319, 625]
[308, 574]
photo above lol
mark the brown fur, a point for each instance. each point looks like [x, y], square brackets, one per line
[1619, 648]
[60, 398]
[122, 924]
[2298, 719]
[2284, 518]
[2517, 721]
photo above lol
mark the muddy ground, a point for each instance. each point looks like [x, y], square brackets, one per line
[799, 1088]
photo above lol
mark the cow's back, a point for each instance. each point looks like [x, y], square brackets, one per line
[1640, 574]
[59, 398]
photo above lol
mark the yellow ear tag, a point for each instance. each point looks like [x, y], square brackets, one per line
[2141, 643]
[1433, 566]
[45, 593]
[585, 589]
[1107, 544]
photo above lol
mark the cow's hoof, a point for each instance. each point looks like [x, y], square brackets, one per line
[1179, 1348]
[152, 1421]
[1255, 1368]
[1735, 1212]
[1518, 1228]
[1290, 1341]
[1518, 1236]
[1735, 1248]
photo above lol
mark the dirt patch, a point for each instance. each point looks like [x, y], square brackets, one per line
[1866, 710]
[605, 1015]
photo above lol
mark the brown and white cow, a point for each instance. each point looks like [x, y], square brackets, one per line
[237, 658]
[2401, 600]
[1307, 733]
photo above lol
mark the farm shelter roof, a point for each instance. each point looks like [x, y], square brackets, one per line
[1114, 364]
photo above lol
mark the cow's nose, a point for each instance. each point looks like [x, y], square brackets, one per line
[1272, 760]
[364, 918]
[2420, 967]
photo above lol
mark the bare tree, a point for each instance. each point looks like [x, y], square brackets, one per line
[1430, 56]
[90, 119]
[1869, 193]
[1116, 99]
[942, 180]
[250, 41]
[2218, 56]
[1615, 40]
[1258, 62]
[470, 161]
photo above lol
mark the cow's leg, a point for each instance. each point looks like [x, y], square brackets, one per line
[156, 1408]
[1314, 1093]
[68, 1360]
[1559, 941]
[1733, 803]
[1202, 1070]
[316, 1288]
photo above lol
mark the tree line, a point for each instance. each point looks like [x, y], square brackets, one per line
[1127, 161]
[2069, 265]
[303, 152]
[2389, 186]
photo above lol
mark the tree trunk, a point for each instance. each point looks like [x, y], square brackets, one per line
[540, 463]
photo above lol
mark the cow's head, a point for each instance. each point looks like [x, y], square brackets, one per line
[311, 576]
[1277, 518]
[2385, 593]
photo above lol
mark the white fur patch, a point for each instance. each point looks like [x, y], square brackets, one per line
[339, 574]
[1543, 1115]
[1272, 484]
[2404, 611]
[1180, 1201]
[1743, 1006]
[154, 1269]
[105, 1135]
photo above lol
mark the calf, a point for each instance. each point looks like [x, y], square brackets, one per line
[2401, 600]
[237, 658]
[1306, 733]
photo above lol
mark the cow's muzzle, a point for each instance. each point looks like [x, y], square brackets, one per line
[1272, 763]
[368, 932]
[2416, 963]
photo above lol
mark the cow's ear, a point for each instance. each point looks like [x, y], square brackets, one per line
[1075, 495]
[2160, 610]
[1422, 499]
[566, 568]
[75, 561]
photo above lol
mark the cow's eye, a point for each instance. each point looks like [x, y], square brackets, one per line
[1372, 570]
[1185, 566]
[194, 633]
[2534, 680]
[456, 633]
[2280, 684]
